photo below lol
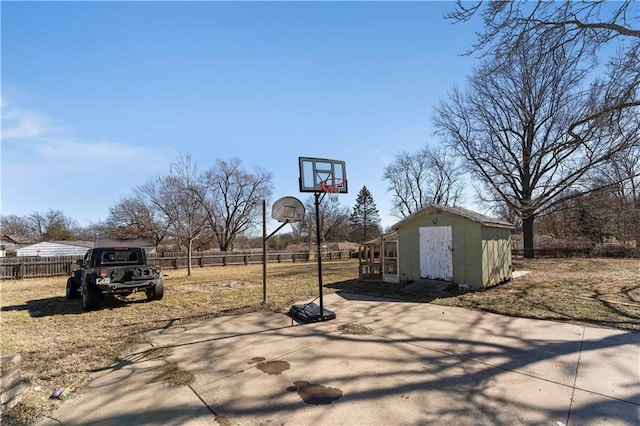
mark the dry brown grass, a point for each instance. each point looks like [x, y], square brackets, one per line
[600, 292]
[61, 345]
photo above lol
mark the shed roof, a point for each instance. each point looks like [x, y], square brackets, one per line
[87, 244]
[125, 242]
[17, 239]
[388, 236]
[468, 214]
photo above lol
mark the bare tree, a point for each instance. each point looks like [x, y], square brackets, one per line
[137, 217]
[586, 27]
[528, 131]
[621, 178]
[591, 24]
[15, 226]
[623, 172]
[333, 219]
[427, 176]
[178, 196]
[52, 226]
[93, 231]
[232, 199]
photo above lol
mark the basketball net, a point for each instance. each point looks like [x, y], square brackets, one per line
[332, 187]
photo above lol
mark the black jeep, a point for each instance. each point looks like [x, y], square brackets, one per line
[114, 270]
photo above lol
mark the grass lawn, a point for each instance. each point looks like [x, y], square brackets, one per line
[61, 345]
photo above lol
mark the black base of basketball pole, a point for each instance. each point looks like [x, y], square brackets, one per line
[312, 312]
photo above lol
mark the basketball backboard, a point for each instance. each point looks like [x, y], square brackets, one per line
[316, 171]
[287, 210]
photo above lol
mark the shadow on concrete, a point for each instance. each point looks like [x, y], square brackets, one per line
[418, 291]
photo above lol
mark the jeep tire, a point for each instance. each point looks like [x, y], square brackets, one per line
[91, 297]
[156, 292]
[72, 289]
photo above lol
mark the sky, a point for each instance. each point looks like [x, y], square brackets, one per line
[100, 97]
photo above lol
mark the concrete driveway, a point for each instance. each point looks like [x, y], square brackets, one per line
[378, 362]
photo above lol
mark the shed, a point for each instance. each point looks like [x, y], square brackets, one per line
[453, 244]
[55, 248]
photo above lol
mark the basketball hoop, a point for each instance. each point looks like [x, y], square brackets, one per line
[333, 187]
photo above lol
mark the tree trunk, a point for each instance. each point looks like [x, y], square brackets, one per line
[189, 251]
[527, 234]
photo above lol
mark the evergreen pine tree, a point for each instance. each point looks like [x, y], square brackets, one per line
[365, 220]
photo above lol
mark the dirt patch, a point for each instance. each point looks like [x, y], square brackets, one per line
[214, 286]
[223, 421]
[174, 376]
[236, 284]
[156, 353]
[354, 329]
[315, 394]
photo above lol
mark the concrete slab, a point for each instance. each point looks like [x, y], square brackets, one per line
[590, 408]
[131, 392]
[378, 362]
[610, 364]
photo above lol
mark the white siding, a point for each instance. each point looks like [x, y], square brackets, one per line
[45, 249]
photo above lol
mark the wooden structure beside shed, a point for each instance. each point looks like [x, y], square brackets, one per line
[379, 258]
[442, 243]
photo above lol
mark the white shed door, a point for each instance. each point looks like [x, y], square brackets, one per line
[436, 258]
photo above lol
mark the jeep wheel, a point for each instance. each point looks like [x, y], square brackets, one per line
[72, 289]
[91, 297]
[156, 292]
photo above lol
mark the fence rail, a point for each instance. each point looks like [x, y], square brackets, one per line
[39, 267]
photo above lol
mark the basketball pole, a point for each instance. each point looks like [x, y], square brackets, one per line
[264, 252]
[265, 238]
[319, 254]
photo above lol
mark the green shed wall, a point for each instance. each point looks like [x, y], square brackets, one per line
[496, 255]
[481, 255]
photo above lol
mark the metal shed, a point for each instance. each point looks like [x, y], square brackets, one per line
[454, 244]
[55, 248]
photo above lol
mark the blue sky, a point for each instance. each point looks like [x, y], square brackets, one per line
[98, 98]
